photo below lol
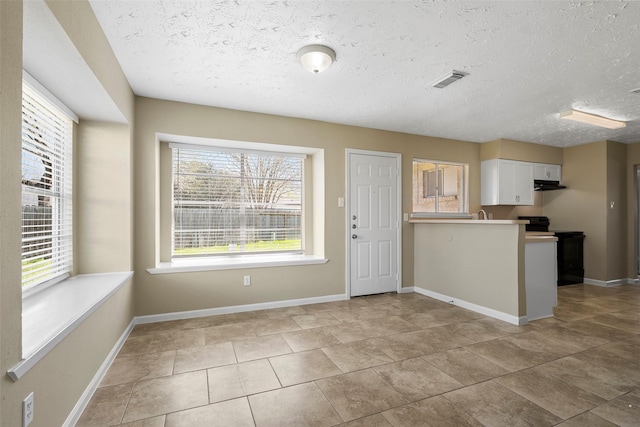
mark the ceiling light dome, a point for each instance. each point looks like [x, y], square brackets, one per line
[316, 58]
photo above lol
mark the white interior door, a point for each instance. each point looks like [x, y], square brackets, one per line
[373, 223]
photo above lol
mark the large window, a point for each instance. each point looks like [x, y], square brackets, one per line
[439, 188]
[234, 202]
[47, 139]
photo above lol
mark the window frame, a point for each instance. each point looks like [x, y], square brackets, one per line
[59, 122]
[419, 189]
[249, 149]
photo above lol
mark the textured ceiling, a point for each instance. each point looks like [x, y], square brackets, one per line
[527, 61]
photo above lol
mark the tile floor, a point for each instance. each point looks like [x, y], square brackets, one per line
[386, 360]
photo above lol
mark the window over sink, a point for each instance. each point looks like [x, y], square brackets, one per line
[440, 188]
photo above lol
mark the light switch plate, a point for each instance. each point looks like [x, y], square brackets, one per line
[341, 202]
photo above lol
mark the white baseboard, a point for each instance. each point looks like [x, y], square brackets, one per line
[514, 320]
[608, 283]
[180, 315]
[407, 290]
[82, 403]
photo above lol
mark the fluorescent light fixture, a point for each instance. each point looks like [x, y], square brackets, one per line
[592, 119]
[316, 58]
[448, 78]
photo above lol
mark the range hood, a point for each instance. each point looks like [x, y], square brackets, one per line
[543, 185]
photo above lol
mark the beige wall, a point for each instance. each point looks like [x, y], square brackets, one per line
[633, 159]
[10, 155]
[617, 235]
[479, 264]
[191, 291]
[523, 151]
[102, 228]
[582, 206]
[103, 198]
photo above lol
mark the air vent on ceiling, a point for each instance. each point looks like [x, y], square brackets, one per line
[448, 78]
[635, 90]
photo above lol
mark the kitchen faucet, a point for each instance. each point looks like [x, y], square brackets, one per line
[484, 214]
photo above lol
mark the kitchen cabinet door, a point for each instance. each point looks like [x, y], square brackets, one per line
[506, 182]
[547, 172]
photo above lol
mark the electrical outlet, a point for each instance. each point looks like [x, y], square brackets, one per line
[247, 280]
[27, 410]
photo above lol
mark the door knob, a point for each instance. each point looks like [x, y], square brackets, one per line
[354, 236]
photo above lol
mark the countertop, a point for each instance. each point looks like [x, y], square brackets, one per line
[540, 236]
[466, 221]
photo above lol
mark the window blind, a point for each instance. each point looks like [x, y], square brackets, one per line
[47, 139]
[235, 202]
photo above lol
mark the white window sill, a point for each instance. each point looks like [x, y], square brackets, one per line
[52, 314]
[186, 265]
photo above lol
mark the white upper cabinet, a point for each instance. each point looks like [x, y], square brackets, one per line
[547, 172]
[506, 182]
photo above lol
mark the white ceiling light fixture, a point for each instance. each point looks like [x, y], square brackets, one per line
[316, 58]
[592, 119]
[449, 78]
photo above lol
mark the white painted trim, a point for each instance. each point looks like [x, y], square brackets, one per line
[400, 219]
[65, 305]
[240, 262]
[609, 283]
[180, 315]
[84, 400]
[407, 290]
[514, 320]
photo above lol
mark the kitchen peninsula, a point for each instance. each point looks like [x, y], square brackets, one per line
[480, 265]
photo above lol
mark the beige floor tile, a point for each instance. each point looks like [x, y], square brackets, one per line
[138, 367]
[570, 312]
[227, 333]
[551, 393]
[242, 379]
[357, 355]
[315, 320]
[566, 341]
[147, 422]
[628, 348]
[356, 314]
[163, 341]
[595, 329]
[298, 405]
[623, 365]
[260, 348]
[443, 337]
[417, 379]
[106, 407]
[276, 313]
[389, 325]
[514, 353]
[587, 419]
[167, 394]
[247, 316]
[434, 412]
[348, 332]
[235, 413]
[623, 411]
[377, 420]
[494, 405]
[274, 326]
[465, 366]
[310, 339]
[358, 394]
[599, 380]
[441, 317]
[408, 345]
[208, 356]
[157, 327]
[488, 329]
[302, 367]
